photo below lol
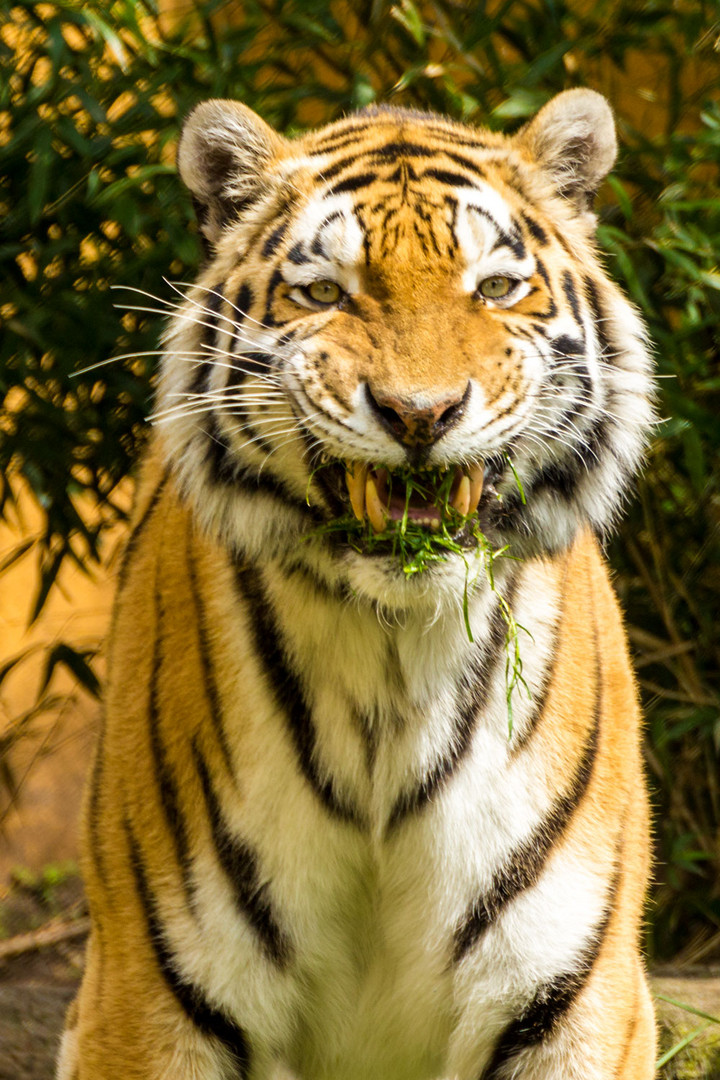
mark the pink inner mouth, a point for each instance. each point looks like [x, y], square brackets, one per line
[419, 508]
[373, 494]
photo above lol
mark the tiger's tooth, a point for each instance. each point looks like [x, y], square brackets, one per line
[476, 486]
[355, 475]
[461, 499]
[375, 508]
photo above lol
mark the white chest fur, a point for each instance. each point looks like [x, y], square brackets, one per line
[380, 806]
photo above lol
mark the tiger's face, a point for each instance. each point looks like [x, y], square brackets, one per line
[402, 319]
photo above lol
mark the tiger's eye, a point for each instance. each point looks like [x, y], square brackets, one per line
[494, 288]
[324, 292]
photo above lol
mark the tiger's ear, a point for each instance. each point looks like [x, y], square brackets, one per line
[222, 158]
[573, 139]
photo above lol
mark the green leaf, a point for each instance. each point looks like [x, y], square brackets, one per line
[521, 104]
[76, 662]
[409, 17]
[694, 458]
[622, 196]
[38, 182]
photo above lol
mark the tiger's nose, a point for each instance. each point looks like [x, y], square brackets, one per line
[414, 424]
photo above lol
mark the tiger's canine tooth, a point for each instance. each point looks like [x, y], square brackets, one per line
[355, 475]
[461, 499]
[476, 486]
[376, 511]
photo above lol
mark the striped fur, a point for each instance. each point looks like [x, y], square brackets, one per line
[313, 850]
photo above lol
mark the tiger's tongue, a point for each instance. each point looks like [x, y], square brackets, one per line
[419, 509]
[371, 493]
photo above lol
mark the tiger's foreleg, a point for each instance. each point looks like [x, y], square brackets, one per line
[602, 1036]
[125, 1025]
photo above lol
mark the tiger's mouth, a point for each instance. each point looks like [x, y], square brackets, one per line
[439, 510]
[425, 499]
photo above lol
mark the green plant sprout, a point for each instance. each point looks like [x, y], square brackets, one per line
[417, 547]
[708, 1019]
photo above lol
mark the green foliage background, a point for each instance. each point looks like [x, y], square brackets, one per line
[91, 98]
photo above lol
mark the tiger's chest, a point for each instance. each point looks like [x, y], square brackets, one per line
[381, 796]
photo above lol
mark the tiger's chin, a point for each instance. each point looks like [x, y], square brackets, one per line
[404, 539]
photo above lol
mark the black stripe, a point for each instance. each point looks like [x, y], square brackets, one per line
[355, 134]
[297, 255]
[567, 346]
[243, 302]
[226, 471]
[535, 229]
[512, 240]
[552, 306]
[340, 166]
[219, 455]
[572, 296]
[276, 280]
[558, 235]
[324, 480]
[525, 864]
[551, 1002]
[505, 239]
[445, 176]
[353, 183]
[474, 694]
[328, 590]
[96, 781]
[466, 163]
[400, 149]
[285, 687]
[247, 361]
[210, 1020]
[209, 317]
[316, 246]
[452, 203]
[206, 662]
[136, 534]
[240, 864]
[250, 363]
[164, 777]
[563, 477]
[332, 143]
[600, 318]
[274, 239]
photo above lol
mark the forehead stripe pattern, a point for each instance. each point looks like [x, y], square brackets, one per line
[535, 229]
[353, 183]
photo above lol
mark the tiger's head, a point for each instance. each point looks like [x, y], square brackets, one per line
[402, 318]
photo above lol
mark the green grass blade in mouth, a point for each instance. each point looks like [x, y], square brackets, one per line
[417, 547]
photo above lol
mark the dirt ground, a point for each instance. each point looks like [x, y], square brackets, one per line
[37, 984]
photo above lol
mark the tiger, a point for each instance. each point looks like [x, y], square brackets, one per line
[351, 817]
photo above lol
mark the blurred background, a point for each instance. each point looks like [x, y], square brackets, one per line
[91, 99]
